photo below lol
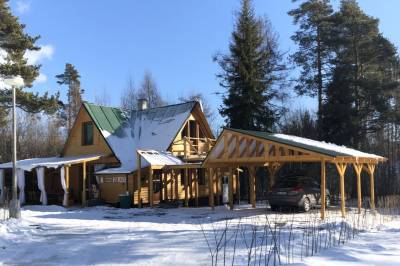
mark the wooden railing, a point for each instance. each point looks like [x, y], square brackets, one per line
[193, 148]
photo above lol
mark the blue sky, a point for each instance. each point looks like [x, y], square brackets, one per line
[110, 41]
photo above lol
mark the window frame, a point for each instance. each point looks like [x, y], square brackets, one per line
[84, 133]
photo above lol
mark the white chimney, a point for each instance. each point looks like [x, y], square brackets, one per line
[143, 104]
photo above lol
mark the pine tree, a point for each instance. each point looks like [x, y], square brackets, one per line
[250, 73]
[14, 42]
[314, 54]
[71, 77]
[363, 66]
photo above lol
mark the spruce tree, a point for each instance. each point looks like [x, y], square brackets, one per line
[14, 43]
[71, 77]
[314, 53]
[250, 73]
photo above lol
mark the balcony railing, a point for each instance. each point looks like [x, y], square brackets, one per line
[193, 148]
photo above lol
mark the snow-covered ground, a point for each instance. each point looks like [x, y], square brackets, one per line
[378, 247]
[105, 235]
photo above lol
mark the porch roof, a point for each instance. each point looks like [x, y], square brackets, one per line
[151, 157]
[51, 162]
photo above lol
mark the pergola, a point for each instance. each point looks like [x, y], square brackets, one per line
[254, 149]
[62, 163]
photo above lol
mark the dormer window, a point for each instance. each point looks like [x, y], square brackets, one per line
[87, 133]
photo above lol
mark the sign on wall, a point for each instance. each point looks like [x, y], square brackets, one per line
[113, 179]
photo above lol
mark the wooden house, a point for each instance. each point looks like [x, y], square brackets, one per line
[169, 143]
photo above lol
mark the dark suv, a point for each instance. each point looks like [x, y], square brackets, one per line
[296, 191]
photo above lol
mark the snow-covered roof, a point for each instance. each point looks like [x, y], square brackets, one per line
[153, 128]
[149, 157]
[315, 146]
[50, 162]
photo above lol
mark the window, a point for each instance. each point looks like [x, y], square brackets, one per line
[87, 133]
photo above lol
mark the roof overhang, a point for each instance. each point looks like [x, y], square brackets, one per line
[241, 147]
[52, 162]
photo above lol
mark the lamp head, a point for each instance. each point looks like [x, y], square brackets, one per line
[14, 81]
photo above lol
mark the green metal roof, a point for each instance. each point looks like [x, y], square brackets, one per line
[272, 137]
[105, 118]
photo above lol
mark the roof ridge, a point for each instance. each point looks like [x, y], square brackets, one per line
[158, 107]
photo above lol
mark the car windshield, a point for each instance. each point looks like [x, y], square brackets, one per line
[293, 182]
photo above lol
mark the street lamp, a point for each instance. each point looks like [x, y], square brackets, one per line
[14, 82]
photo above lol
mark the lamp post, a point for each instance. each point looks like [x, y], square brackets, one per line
[14, 82]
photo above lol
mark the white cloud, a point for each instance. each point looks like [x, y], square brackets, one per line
[42, 78]
[23, 7]
[45, 52]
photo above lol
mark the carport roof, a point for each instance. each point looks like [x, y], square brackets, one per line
[320, 147]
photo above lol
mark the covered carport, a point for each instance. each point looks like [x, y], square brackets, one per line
[252, 149]
[38, 166]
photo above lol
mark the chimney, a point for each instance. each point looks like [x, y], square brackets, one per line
[143, 104]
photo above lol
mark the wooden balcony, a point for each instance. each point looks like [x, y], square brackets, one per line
[193, 149]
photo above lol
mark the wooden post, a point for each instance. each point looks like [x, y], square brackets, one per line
[84, 184]
[151, 193]
[176, 183]
[358, 170]
[252, 183]
[186, 188]
[165, 187]
[371, 170]
[139, 179]
[211, 188]
[196, 186]
[238, 185]
[273, 168]
[230, 185]
[323, 189]
[217, 186]
[341, 167]
[67, 183]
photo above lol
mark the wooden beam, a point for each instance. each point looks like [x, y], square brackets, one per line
[341, 167]
[230, 185]
[358, 169]
[252, 183]
[139, 179]
[237, 148]
[186, 187]
[323, 189]
[151, 190]
[211, 188]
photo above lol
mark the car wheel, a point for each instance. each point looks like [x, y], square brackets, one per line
[306, 205]
[327, 201]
